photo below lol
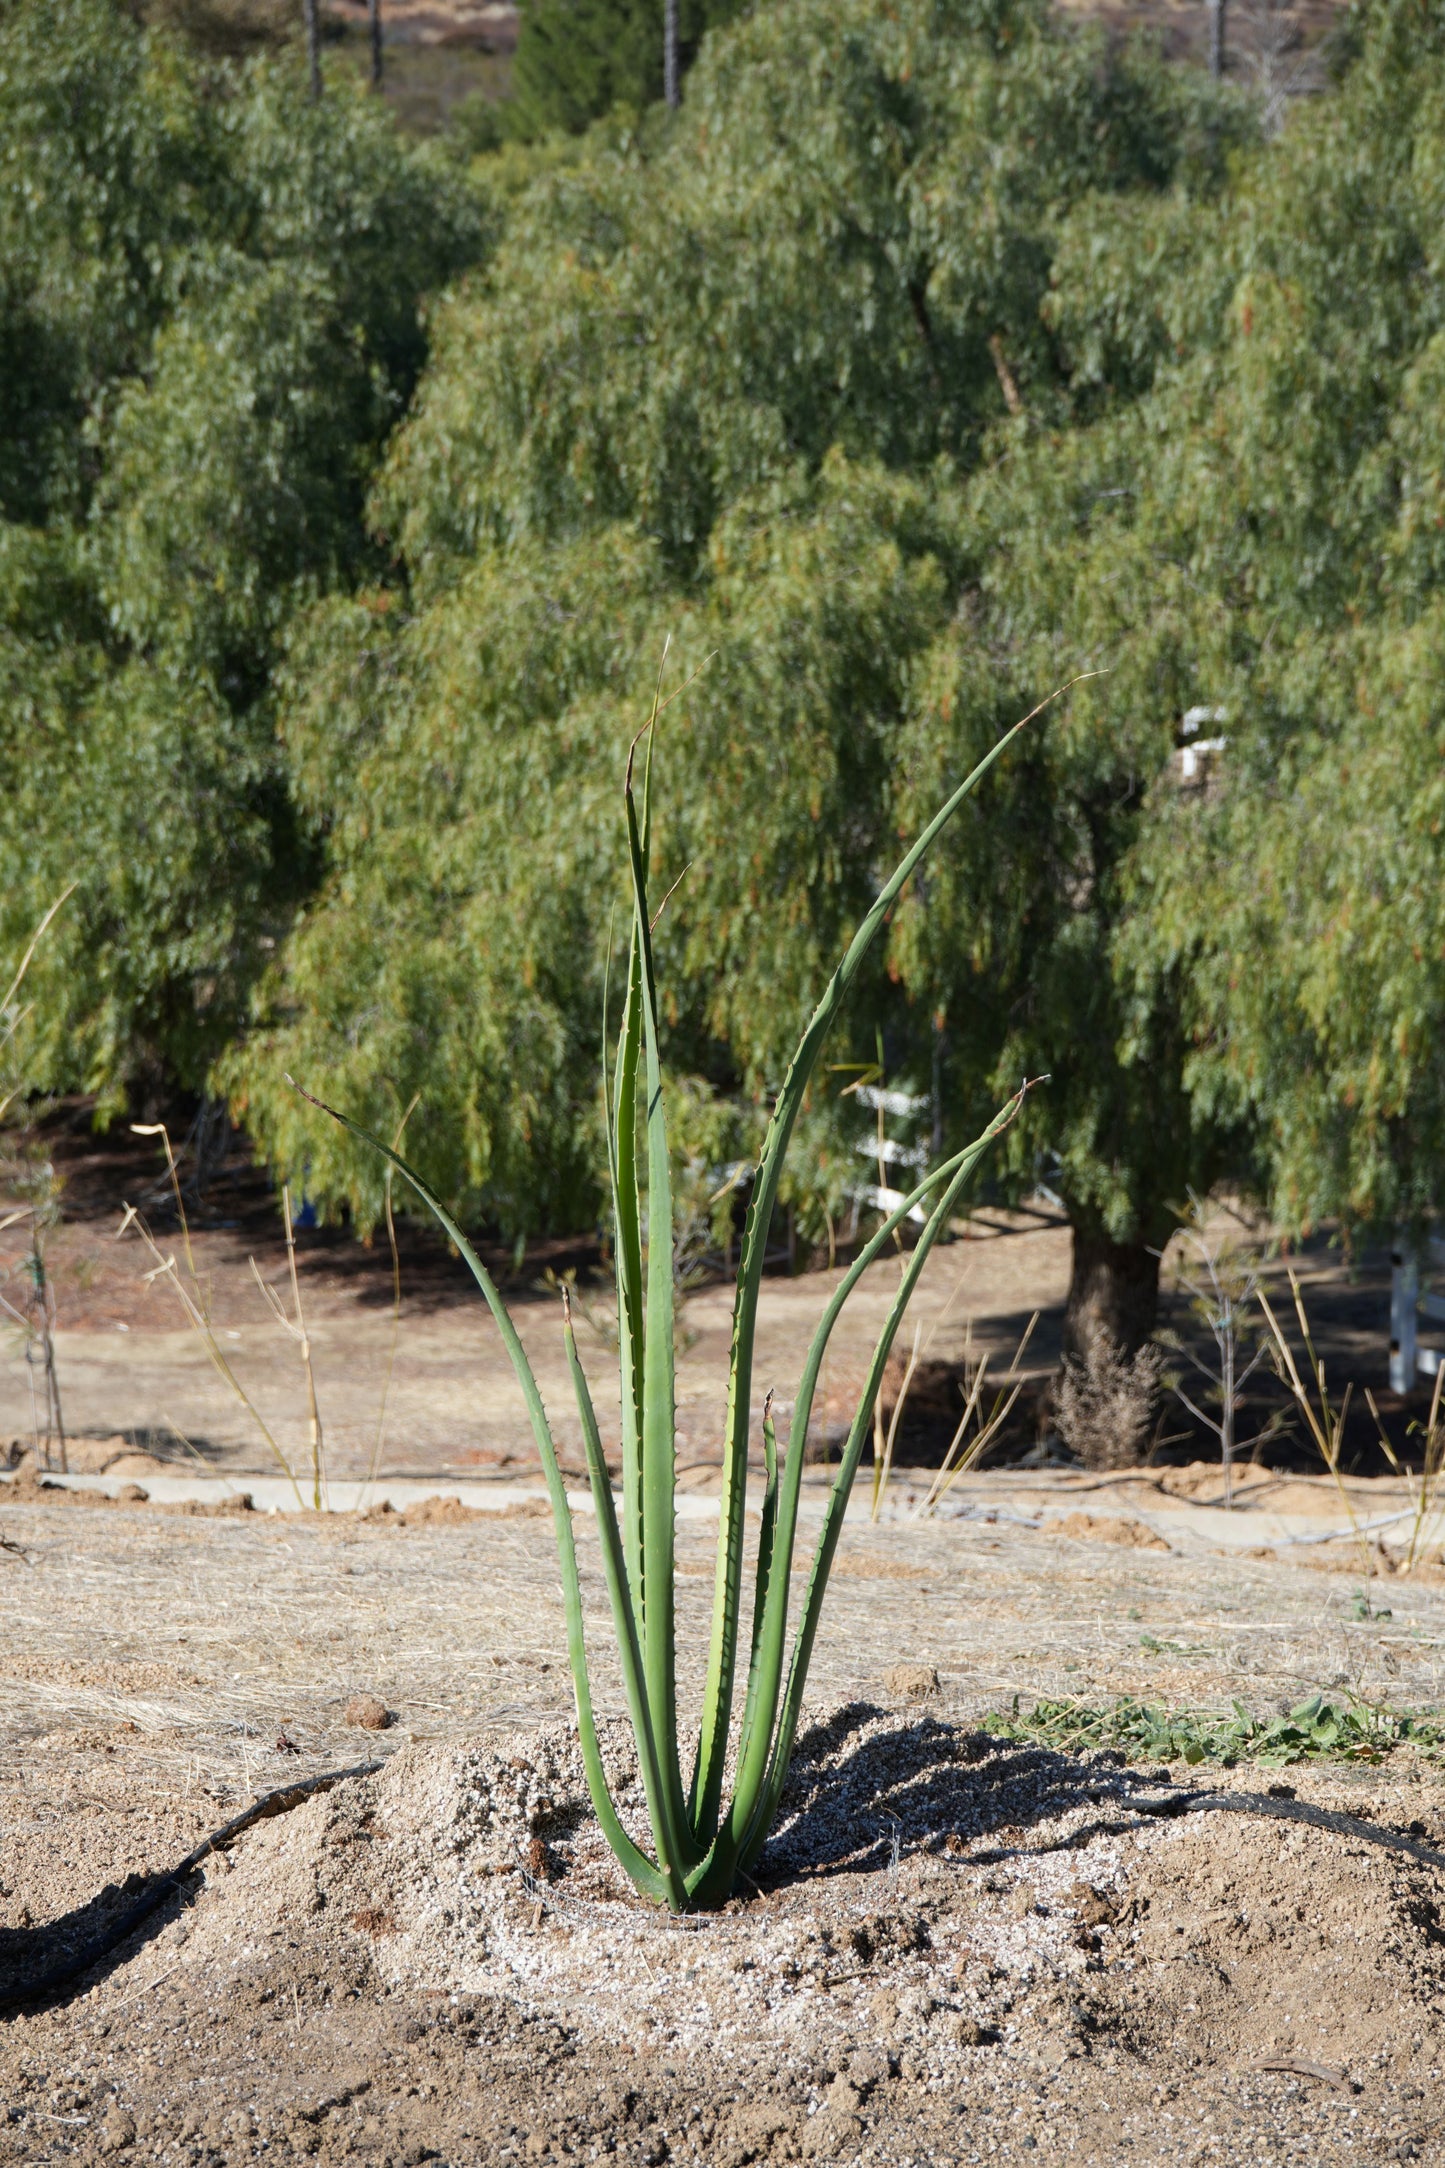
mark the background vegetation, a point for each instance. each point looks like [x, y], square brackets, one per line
[924, 359]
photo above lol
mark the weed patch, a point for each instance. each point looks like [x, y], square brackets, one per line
[1314, 1730]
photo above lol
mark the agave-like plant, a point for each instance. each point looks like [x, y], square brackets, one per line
[700, 1844]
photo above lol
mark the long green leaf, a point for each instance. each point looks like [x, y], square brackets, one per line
[722, 1652]
[614, 1567]
[627, 1219]
[638, 1867]
[658, 1386]
[627, 1212]
[763, 1581]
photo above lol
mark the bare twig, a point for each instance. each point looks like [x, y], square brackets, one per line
[1222, 1297]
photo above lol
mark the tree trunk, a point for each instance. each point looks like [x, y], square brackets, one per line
[374, 15]
[1216, 39]
[311, 18]
[1114, 1289]
[671, 89]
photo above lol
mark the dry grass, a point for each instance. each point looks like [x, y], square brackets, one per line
[194, 1294]
[1424, 1487]
[173, 1652]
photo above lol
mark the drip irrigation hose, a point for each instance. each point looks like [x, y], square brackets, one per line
[110, 1938]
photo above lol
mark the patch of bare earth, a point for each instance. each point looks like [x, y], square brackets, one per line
[958, 1950]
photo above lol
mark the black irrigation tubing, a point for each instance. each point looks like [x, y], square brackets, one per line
[110, 1938]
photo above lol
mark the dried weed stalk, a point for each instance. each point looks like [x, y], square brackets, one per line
[296, 1330]
[1324, 1420]
[965, 1451]
[1424, 1489]
[195, 1301]
[395, 1342]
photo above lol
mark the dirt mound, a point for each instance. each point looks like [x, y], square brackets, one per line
[928, 1886]
[1105, 1528]
[1363, 1559]
[1285, 1942]
[116, 1454]
[957, 1948]
[451, 1513]
[26, 1488]
[1205, 1479]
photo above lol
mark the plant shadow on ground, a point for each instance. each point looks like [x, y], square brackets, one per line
[30, 1957]
[863, 1787]
[860, 1796]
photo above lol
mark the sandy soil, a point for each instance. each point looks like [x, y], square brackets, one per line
[957, 1950]
[960, 1950]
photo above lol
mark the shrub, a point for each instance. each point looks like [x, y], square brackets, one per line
[1106, 1402]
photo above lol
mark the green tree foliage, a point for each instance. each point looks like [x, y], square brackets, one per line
[577, 59]
[848, 233]
[165, 805]
[927, 358]
[1256, 535]
[106, 171]
[209, 322]
[761, 361]
[1307, 907]
[463, 762]
[436, 754]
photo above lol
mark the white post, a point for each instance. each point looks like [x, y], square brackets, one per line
[1404, 1316]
